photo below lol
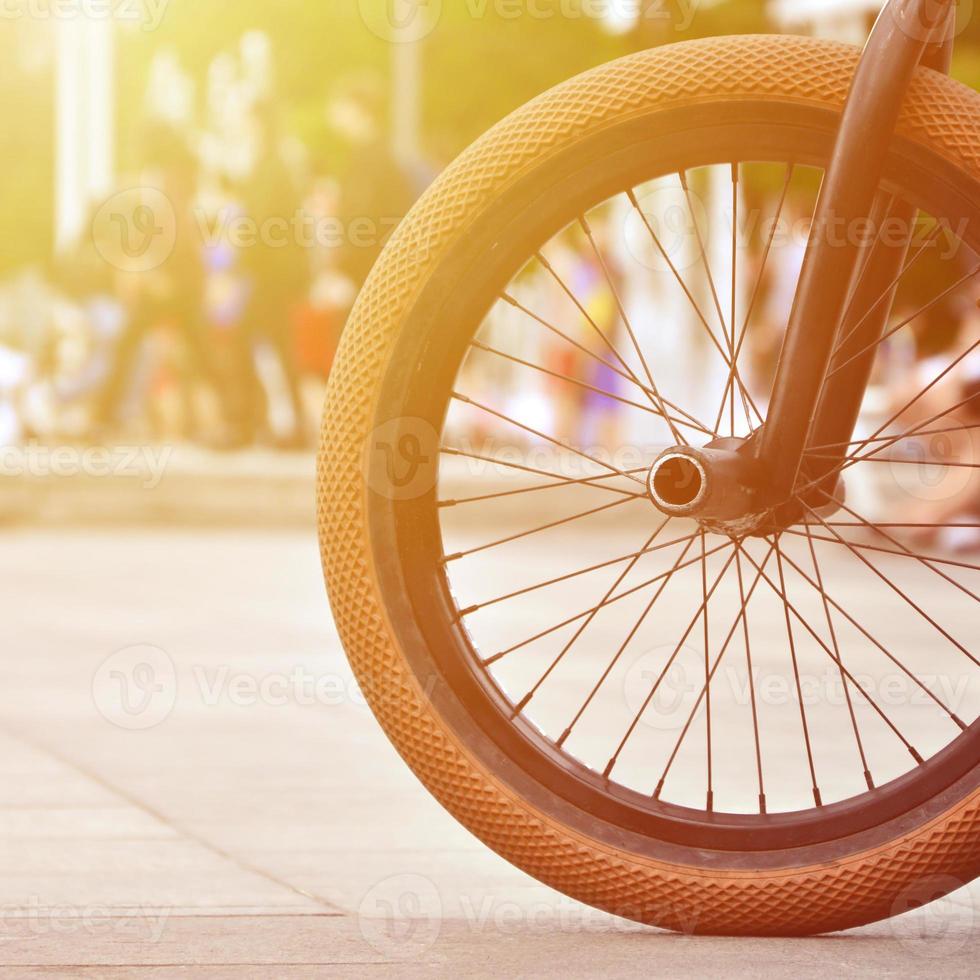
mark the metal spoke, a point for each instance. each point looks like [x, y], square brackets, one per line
[862, 266]
[550, 269]
[919, 526]
[857, 686]
[894, 330]
[592, 482]
[611, 283]
[711, 285]
[890, 441]
[760, 278]
[624, 372]
[751, 675]
[907, 599]
[633, 556]
[909, 265]
[871, 439]
[906, 462]
[603, 605]
[871, 639]
[705, 694]
[685, 186]
[448, 451]
[680, 279]
[459, 555]
[656, 687]
[885, 551]
[840, 662]
[926, 562]
[897, 415]
[687, 292]
[796, 674]
[708, 674]
[582, 384]
[625, 644]
[542, 435]
[734, 313]
[916, 431]
[526, 700]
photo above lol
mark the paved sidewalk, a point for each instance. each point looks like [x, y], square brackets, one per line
[125, 485]
[238, 813]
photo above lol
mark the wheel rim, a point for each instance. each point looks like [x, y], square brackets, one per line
[789, 826]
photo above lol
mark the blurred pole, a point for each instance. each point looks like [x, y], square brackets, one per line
[84, 120]
[405, 98]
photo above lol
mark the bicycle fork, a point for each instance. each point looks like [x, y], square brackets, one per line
[842, 305]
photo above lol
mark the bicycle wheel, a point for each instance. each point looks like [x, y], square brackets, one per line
[516, 640]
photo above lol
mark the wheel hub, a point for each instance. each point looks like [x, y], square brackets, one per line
[719, 486]
[722, 487]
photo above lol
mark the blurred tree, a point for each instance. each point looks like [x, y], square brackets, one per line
[482, 59]
[315, 45]
[486, 59]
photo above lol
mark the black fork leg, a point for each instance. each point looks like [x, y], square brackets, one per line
[901, 38]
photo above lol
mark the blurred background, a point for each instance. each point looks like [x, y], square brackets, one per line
[193, 194]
